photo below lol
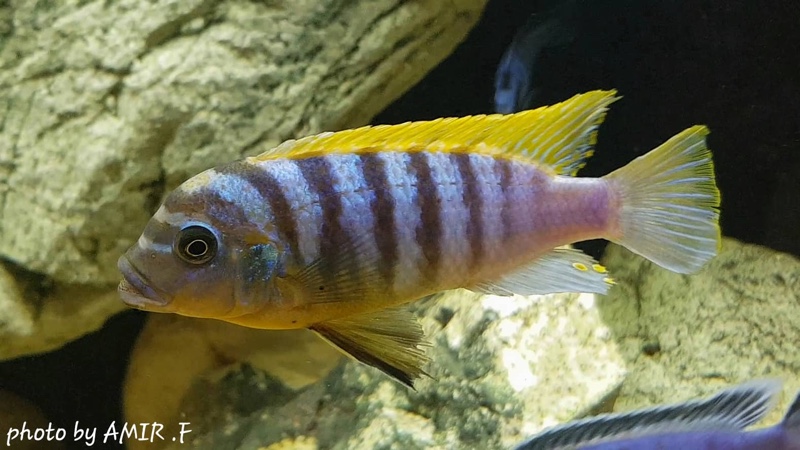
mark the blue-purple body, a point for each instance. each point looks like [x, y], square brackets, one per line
[715, 423]
[774, 438]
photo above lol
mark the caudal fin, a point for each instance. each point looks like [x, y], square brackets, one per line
[669, 203]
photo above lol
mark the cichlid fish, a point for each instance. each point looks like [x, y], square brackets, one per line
[332, 232]
[514, 79]
[716, 423]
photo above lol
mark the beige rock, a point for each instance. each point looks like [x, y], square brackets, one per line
[109, 104]
[37, 316]
[551, 357]
[688, 336]
[14, 411]
[174, 352]
[502, 369]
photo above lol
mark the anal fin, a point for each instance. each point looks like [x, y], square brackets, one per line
[561, 270]
[388, 340]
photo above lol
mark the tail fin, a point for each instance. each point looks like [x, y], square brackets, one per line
[669, 203]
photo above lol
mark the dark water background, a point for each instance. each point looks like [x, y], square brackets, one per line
[733, 65]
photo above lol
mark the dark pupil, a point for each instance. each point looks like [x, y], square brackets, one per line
[196, 248]
[196, 245]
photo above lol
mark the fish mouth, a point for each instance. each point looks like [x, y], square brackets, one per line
[134, 290]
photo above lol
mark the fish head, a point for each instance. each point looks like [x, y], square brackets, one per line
[198, 257]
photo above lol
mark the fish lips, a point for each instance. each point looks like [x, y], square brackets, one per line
[134, 290]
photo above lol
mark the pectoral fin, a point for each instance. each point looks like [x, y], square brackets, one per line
[388, 340]
[338, 277]
[561, 270]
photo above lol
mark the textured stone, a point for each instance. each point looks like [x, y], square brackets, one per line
[108, 104]
[688, 336]
[38, 316]
[175, 353]
[14, 411]
[502, 369]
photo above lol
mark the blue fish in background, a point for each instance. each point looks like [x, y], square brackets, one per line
[513, 83]
[716, 423]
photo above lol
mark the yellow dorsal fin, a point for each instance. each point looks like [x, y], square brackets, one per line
[559, 136]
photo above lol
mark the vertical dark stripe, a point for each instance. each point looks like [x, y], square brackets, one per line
[223, 214]
[473, 200]
[272, 192]
[382, 206]
[504, 169]
[333, 238]
[429, 232]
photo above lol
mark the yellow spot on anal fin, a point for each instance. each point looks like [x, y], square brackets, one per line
[609, 280]
[599, 269]
[580, 266]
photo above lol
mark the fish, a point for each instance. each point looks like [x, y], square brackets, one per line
[335, 232]
[514, 78]
[715, 423]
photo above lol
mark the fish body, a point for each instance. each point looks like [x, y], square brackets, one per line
[333, 231]
[717, 423]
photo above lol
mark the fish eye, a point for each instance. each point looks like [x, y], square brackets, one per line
[196, 244]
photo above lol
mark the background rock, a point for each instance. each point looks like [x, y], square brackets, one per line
[109, 104]
[175, 353]
[14, 411]
[38, 316]
[502, 368]
[688, 336]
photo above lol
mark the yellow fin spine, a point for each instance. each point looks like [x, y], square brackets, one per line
[560, 136]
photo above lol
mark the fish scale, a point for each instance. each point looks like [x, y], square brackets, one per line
[335, 232]
[382, 209]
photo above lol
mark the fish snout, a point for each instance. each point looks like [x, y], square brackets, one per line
[134, 289]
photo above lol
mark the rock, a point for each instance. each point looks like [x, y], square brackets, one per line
[109, 104]
[175, 353]
[38, 316]
[16, 411]
[688, 336]
[502, 369]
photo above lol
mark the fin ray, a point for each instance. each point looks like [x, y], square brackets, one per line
[731, 409]
[559, 136]
[339, 277]
[669, 209]
[560, 270]
[388, 340]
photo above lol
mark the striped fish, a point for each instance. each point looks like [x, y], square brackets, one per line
[714, 423]
[332, 232]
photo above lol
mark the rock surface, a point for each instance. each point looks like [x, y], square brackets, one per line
[688, 336]
[110, 103]
[175, 353]
[16, 411]
[502, 368]
[107, 105]
[38, 316]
